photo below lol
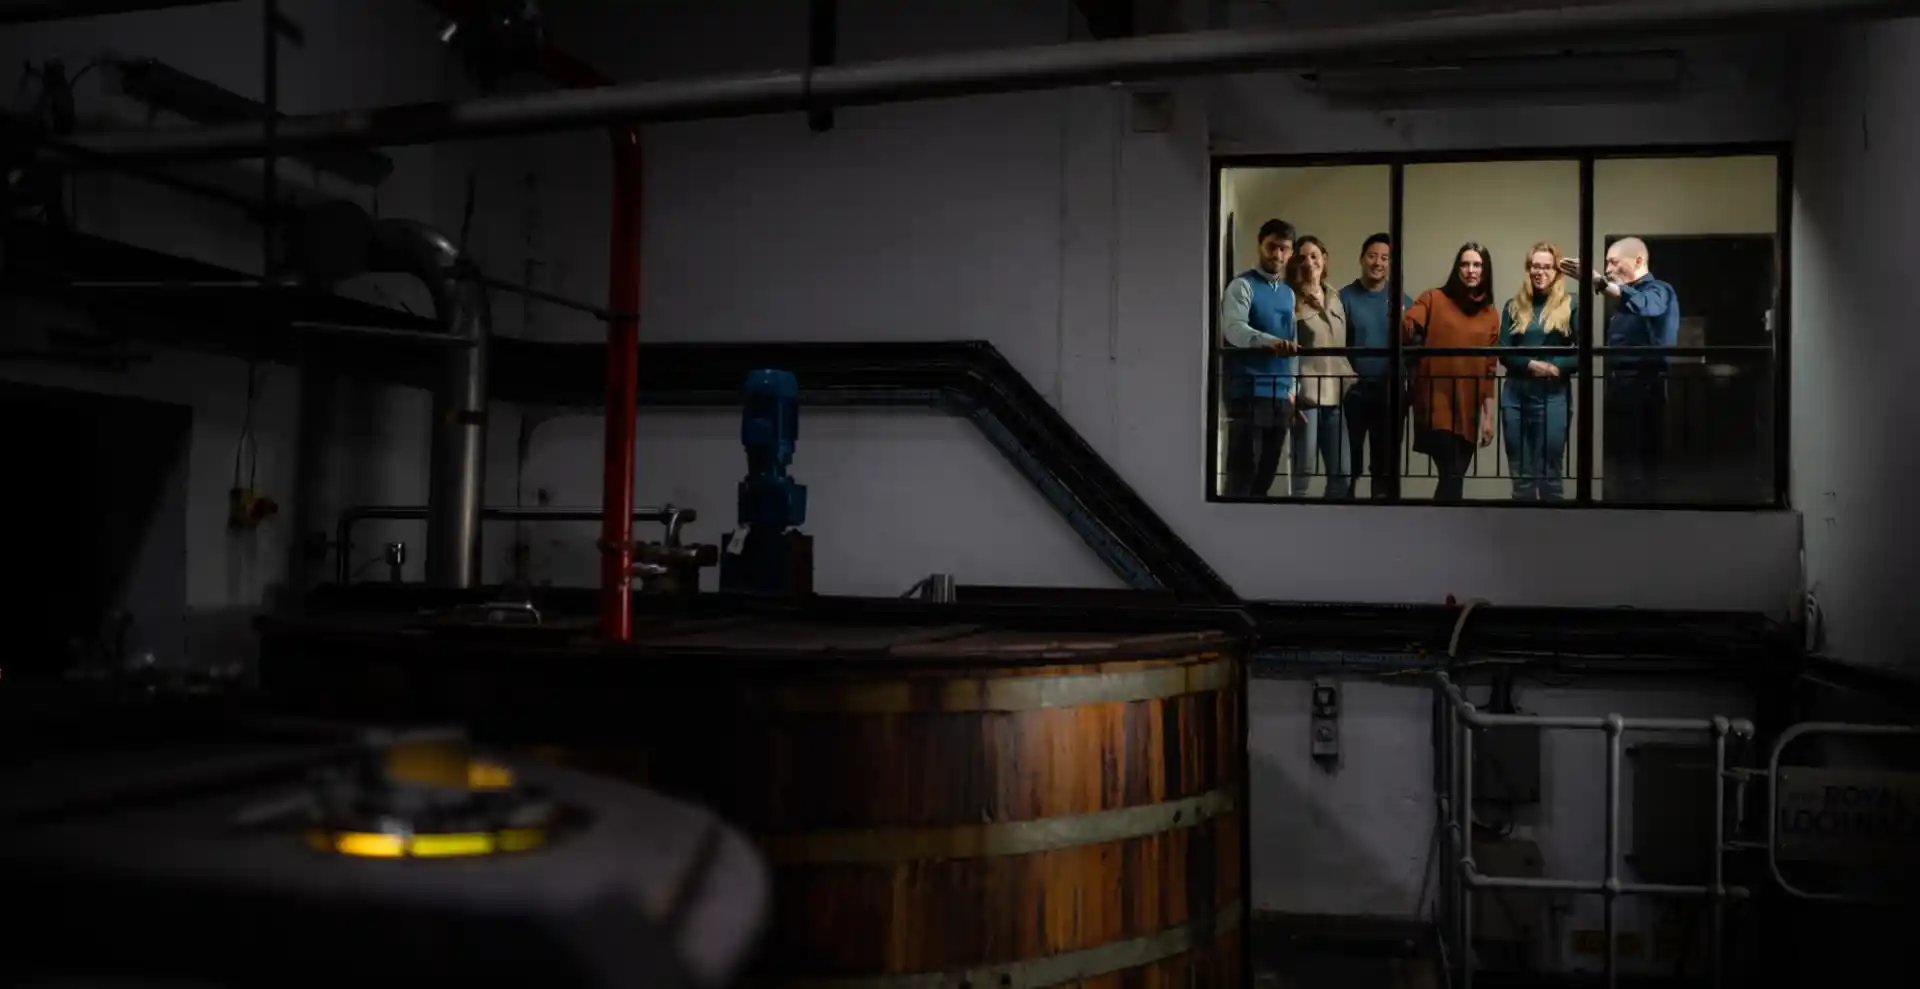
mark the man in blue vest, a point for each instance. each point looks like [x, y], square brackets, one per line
[1646, 314]
[1257, 347]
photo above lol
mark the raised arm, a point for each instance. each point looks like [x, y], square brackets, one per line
[1651, 300]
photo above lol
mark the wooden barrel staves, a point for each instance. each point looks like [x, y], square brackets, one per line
[1003, 811]
[943, 808]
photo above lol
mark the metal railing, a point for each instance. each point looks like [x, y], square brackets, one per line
[1455, 808]
[668, 515]
[1709, 438]
[1775, 778]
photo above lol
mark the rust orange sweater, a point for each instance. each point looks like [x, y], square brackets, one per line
[1448, 392]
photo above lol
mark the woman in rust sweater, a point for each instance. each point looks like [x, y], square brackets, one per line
[1452, 396]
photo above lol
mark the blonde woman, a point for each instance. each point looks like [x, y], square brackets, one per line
[1534, 401]
[1320, 321]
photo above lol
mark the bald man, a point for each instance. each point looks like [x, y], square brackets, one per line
[1634, 423]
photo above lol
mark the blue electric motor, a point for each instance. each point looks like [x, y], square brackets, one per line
[769, 555]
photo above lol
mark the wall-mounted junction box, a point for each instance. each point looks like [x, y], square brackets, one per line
[1506, 766]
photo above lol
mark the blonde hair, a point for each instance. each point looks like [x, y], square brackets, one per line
[1559, 305]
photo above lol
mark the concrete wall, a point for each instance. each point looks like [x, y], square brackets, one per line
[1856, 153]
[1045, 223]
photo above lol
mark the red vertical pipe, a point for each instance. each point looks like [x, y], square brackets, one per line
[623, 341]
[623, 388]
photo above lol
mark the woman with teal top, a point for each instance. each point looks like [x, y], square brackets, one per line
[1533, 404]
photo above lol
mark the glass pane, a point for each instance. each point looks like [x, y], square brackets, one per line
[1283, 428]
[1693, 425]
[1491, 387]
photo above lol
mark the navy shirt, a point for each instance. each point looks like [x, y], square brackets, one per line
[1648, 316]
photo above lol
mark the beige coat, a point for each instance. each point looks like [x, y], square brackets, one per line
[1324, 380]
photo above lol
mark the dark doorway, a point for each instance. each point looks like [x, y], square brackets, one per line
[1720, 420]
[96, 498]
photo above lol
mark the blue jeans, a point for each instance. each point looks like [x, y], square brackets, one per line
[1536, 434]
[1324, 432]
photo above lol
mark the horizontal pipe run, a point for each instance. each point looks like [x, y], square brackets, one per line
[1476, 718]
[1126, 60]
[668, 515]
[597, 312]
[383, 332]
[1596, 887]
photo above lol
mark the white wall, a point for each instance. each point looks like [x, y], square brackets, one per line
[357, 53]
[1079, 247]
[1359, 840]
[1856, 154]
[997, 218]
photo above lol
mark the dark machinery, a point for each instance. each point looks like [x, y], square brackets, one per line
[217, 848]
[769, 555]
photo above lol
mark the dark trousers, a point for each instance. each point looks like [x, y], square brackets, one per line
[1370, 435]
[1452, 456]
[1256, 437]
[1634, 437]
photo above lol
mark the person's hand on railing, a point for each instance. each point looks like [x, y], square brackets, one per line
[1285, 348]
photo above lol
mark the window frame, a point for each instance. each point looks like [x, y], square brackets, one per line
[1585, 157]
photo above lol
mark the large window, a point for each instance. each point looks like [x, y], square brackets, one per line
[1572, 328]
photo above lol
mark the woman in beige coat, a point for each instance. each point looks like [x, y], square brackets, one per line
[1320, 321]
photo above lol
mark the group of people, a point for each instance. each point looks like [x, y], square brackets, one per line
[1289, 379]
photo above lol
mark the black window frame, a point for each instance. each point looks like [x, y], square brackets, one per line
[1585, 157]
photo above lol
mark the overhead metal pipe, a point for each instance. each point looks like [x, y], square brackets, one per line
[995, 71]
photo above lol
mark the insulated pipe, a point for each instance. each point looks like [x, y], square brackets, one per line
[459, 448]
[995, 71]
[623, 340]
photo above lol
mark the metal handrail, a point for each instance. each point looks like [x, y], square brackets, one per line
[1456, 809]
[1416, 350]
[668, 515]
[1773, 801]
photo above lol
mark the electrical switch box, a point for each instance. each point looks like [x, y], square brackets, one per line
[1324, 724]
[1506, 766]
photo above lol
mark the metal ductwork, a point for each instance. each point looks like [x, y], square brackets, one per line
[459, 450]
[1123, 60]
